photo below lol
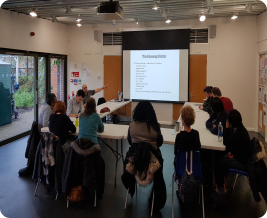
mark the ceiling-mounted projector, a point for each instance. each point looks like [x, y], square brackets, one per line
[110, 10]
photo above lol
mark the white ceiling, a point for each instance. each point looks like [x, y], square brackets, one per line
[133, 9]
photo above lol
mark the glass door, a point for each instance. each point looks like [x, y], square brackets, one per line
[17, 88]
[41, 83]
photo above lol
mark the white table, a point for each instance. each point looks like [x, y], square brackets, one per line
[112, 105]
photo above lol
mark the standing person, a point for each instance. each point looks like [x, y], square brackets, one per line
[90, 122]
[227, 103]
[75, 105]
[187, 140]
[46, 111]
[207, 104]
[219, 115]
[59, 123]
[90, 93]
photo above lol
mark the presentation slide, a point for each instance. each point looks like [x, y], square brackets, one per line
[154, 74]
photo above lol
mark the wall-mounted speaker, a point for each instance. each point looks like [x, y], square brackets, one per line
[212, 31]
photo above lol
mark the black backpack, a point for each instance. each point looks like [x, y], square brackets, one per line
[187, 186]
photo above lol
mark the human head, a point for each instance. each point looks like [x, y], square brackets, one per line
[59, 107]
[90, 106]
[216, 92]
[188, 115]
[144, 112]
[51, 99]
[207, 91]
[216, 105]
[80, 96]
[234, 118]
[84, 88]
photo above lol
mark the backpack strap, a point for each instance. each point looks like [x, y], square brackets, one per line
[191, 163]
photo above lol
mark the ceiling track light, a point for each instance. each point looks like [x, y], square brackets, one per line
[234, 16]
[155, 5]
[54, 19]
[79, 24]
[137, 21]
[168, 20]
[33, 13]
[164, 13]
[248, 8]
[211, 11]
[209, 2]
[202, 17]
[68, 11]
[78, 19]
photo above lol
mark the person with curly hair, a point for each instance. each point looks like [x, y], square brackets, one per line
[59, 123]
[90, 122]
[187, 140]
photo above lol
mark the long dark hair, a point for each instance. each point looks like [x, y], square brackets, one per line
[90, 107]
[217, 105]
[144, 112]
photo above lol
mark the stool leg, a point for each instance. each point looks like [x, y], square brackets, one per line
[235, 182]
[67, 203]
[203, 201]
[173, 196]
[56, 196]
[152, 204]
[95, 199]
[36, 187]
[126, 199]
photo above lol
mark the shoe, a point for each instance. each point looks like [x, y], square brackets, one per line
[25, 171]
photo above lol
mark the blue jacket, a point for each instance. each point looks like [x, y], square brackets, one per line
[221, 118]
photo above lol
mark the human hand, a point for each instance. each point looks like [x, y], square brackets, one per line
[200, 107]
[84, 105]
[229, 154]
[228, 124]
[105, 86]
[214, 125]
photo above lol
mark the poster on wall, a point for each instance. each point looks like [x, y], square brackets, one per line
[71, 80]
[264, 112]
[75, 82]
[263, 95]
[260, 119]
[75, 74]
[260, 94]
[79, 81]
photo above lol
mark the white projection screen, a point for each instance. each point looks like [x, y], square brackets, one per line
[154, 68]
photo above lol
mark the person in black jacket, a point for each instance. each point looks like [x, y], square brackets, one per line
[187, 140]
[237, 142]
[59, 123]
[207, 104]
[218, 115]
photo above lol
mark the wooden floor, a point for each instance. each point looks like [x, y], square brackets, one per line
[17, 199]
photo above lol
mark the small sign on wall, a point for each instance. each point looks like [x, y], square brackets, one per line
[75, 81]
[75, 74]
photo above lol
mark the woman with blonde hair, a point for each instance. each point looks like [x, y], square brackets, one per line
[59, 123]
[187, 140]
[90, 122]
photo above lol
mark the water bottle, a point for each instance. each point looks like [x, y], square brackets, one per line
[77, 122]
[220, 132]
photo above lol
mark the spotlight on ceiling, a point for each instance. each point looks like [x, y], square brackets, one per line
[68, 11]
[264, 1]
[54, 19]
[78, 19]
[211, 10]
[79, 24]
[248, 8]
[234, 16]
[163, 13]
[168, 20]
[202, 17]
[137, 21]
[155, 6]
[33, 13]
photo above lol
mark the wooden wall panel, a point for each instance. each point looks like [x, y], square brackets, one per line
[176, 111]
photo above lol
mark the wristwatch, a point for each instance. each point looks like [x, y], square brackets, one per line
[103, 87]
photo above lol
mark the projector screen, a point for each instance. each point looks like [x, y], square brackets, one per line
[155, 74]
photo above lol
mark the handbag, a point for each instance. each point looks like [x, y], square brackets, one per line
[76, 194]
[220, 197]
[104, 110]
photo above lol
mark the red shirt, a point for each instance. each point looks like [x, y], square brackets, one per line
[227, 104]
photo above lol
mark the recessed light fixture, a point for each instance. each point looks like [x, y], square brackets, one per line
[234, 16]
[79, 24]
[68, 11]
[78, 19]
[33, 13]
[54, 19]
[248, 8]
[137, 21]
[168, 20]
[155, 6]
[202, 17]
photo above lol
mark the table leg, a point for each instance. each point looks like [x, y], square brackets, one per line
[213, 176]
[116, 161]
[122, 154]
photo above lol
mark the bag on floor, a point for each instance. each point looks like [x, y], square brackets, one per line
[188, 186]
[76, 194]
[220, 197]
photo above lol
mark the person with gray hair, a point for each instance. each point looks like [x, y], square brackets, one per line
[46, 111]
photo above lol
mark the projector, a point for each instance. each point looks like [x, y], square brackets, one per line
[110, 10]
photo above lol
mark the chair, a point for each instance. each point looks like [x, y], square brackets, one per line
[180, 170]
[99, 102]
[238, 172]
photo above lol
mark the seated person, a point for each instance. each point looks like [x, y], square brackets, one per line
[145, 127]
[218, 115]
[90, 122]
[187, 140]
[227, 103]
[46, 111]
[237, 142]
[75, 104]
[59, 123]
[207, 104]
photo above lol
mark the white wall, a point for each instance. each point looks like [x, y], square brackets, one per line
[15, 33]
[232, 58]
